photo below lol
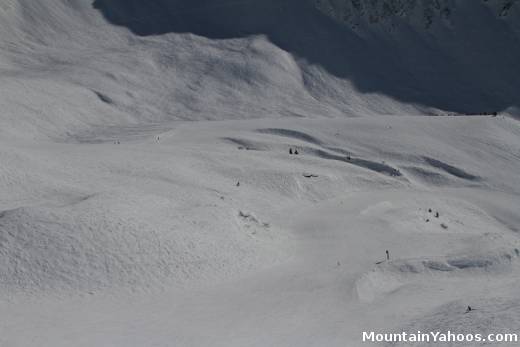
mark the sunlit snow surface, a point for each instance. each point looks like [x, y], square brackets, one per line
[148, 197]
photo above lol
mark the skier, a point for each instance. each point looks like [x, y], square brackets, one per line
[296, 151]
[387, 255]
[468, 309]
[238, 184]
[290, 150]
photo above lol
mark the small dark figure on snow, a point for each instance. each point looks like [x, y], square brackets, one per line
[296, 152]
[290, 150]
[387, 255]
[429, 210]
[468, 309]
[436, 214]
[238, 184]
[348, 157]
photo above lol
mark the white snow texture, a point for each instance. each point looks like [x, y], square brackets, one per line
[148, 196]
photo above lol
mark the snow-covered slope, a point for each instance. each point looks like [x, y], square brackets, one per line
[249, 59]
[451, 55]
[294, 250]
[148, 195]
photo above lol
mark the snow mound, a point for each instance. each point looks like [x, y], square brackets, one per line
[247, 144]
[109, 241]
[492, 315]
[292, 134]
[427, 176]
[450, 169]
[390, 276]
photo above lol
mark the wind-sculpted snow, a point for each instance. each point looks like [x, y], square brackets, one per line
[427, 176]
[388, 277]
[242, 60]
[321, 153]
[256, 173]
[103, 97]
[421, 52]
[294, 134]
[452, 170]
[246, 144]
[103, 242]
[172, 228]
[364, 163]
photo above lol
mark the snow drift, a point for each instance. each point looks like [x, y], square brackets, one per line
[148, 195]
[153, 61]
[451, 55]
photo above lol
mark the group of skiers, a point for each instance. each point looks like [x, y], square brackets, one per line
[437, 215]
